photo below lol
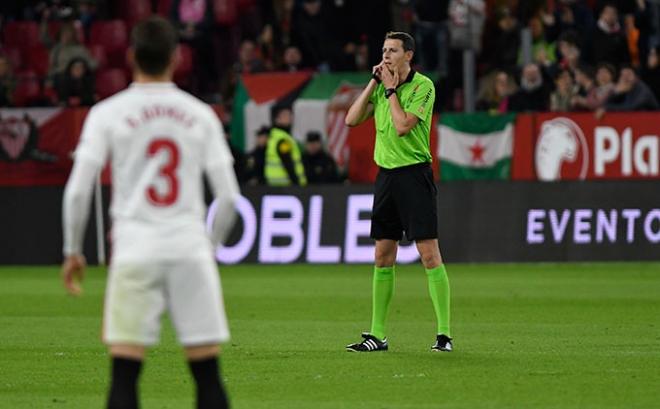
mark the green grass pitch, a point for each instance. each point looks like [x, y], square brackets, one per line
[526, 336]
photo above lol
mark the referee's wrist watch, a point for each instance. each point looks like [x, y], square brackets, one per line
[389, 92]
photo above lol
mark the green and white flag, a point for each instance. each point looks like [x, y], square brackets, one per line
[475, 146]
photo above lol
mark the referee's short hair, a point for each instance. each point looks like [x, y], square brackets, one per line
[406, 39]
[154, 40]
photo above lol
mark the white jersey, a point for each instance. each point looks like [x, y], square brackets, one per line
[160, 140]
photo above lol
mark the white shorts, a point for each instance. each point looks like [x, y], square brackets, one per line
[139, 292]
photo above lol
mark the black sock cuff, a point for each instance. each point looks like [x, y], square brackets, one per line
[205, 367]
[127, 366]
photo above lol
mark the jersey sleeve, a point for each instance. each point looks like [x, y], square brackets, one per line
[94, 144]
[217, 151]
[421, 103]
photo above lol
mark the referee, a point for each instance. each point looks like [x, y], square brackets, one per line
[401, 101]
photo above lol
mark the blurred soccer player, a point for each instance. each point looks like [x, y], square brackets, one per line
[160, 141]
[401, 101]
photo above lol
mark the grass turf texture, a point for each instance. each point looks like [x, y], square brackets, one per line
[526, 336]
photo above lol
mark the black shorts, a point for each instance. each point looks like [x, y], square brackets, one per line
[405, 201]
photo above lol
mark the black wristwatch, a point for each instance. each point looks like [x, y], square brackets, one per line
[389, 92]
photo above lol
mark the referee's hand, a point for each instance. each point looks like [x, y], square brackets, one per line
[73, 272]
[376, 71]
[390, 79]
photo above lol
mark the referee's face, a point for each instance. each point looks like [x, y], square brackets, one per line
[394, 56]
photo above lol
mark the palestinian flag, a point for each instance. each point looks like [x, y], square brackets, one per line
[322, 107]
[255, 95]
[475, 146]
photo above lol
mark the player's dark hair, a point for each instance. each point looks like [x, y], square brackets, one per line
[406, 39]
[154, 40]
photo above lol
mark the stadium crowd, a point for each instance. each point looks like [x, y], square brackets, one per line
[585, 54]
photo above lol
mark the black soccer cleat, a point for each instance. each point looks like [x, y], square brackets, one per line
[442, 344]
[370, 344]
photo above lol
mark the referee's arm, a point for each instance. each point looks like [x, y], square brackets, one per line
[361, 109]
[403, 121]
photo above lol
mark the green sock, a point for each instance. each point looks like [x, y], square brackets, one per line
[383, 288]
[439, 290]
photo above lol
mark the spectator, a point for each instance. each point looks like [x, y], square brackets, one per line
[561, 100]
[66, 49]
[586, 84]
[605, 74]
[651, 71]
[609, 40]
[631, 94]
[194, 21]
[573, 15]
[76, 86]
[543, 51]
[256, 159]
[532, 94]
[431, 36]
[267, 49]
[312, 36]
[248, 60]
[504, 40]
[320, 167]
[7, 82]
[292, 59]
[87, 14]
[495, 92]
[647, 21]
[569, 51]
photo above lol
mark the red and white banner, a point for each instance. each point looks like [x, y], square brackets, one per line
[552, 146]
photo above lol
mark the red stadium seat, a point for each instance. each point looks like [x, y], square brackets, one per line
[27, 92]
[164, 7]
[110, 81]
[112, 35]
[185, 55]
[225, 11]
[98, 53]
[21, 34]
[38, 60]
[185, 66]
[244, 5]
[132, 11]
[14, 56]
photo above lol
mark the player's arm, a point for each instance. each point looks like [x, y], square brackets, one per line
[219, 168]
[75, 212]
[284, 149]
[403, 121]
[361, 109]
[90, 156]
[226, 192]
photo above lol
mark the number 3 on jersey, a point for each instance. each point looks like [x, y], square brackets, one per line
[167, 172]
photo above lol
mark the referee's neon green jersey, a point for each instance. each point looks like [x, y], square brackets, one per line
[416, 95]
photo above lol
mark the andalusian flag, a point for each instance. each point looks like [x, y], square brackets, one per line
[475, 146]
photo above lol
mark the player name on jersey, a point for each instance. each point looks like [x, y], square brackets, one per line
[149, 113]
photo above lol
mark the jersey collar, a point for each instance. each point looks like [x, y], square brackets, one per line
[409, 78]
[152, 85]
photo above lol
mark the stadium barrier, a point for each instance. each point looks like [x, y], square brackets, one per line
[545, 146]
[478, 222]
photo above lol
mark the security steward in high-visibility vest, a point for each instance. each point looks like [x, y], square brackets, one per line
[284, 165]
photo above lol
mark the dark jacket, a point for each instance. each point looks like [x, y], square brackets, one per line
[639, 98]
[537, 100]
[320, 168]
